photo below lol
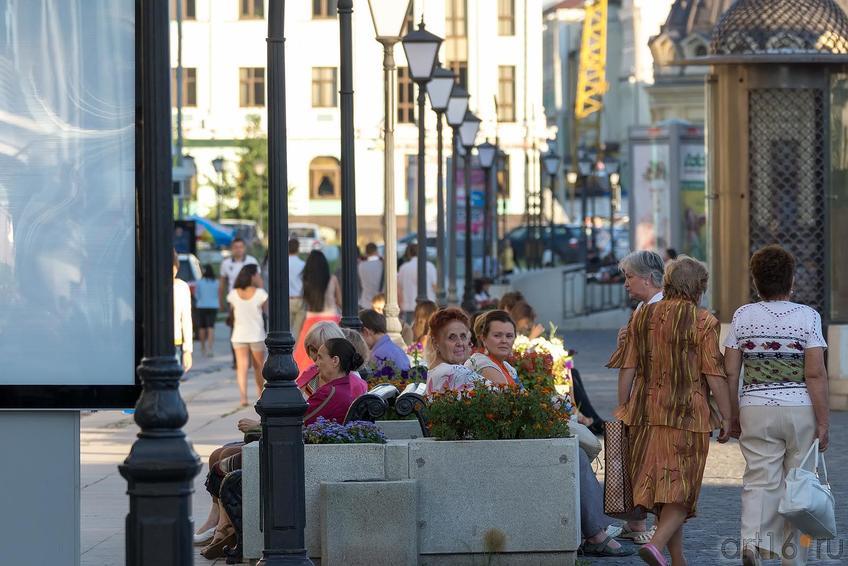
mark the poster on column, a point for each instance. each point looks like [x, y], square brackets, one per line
[650, 198]
[67, 204]
[693, 167]
[478, 183]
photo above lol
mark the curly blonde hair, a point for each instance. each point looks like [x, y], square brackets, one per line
[685, 278]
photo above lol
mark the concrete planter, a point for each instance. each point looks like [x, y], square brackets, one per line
[371, 523]
[400, 430]
[322, 463]
[522, 494]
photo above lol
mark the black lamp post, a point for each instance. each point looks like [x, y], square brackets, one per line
[501, 228]
[161, 464]
[611, 166]
[421, 48]
[350, 257]
[486, 154]
[218, 165]
[551, 160]
[455, 114]
[585, 167]
[439, 90]
[281, 406]
[468, 134]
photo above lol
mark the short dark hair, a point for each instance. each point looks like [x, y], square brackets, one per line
[373, 321]
[237, 240]
[341, 348]
[773, 269]
[245, 277]
[208, 272]
[412, 250]
[671, 253]
[294, 246]
[370, 248]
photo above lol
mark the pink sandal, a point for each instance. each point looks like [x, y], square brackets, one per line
[651, 555]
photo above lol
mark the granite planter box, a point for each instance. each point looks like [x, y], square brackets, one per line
[400, 430]
[322, 463]
[370, 523]
[516, 499]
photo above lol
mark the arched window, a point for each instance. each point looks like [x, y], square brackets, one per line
[325, 178]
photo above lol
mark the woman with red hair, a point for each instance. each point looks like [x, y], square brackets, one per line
[448, 348]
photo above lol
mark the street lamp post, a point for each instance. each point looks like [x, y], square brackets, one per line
[259, 168]
[161, 465]
[218, 165]
[501, 238]
[584, 165]
[467, 134]
[350, 257]
[551, 161]
[388, 16]
[421, 48]
[611, 166]
[281, 406]
[439, 91]
[455, 114]
[486, 153]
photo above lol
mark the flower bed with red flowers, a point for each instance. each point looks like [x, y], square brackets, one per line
[487, 412]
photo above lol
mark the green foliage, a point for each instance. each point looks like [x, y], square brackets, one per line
[248, 187]
[487, 412]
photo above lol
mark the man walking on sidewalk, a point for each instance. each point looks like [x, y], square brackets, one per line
[370, 276]
[408, 283]
[297, 313]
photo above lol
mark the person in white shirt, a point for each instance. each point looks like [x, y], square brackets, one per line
[783, 406]
[230, 268]
[407, 279]
[248, 300]
[183, 331]
[643, 280]
[297, 311]
[370, 276]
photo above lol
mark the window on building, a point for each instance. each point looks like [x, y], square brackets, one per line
[323, 87]
[252, 86]
[322, 9]
[405, 97]
[506, 17]
[506, 93]
[325, 178]
[252, 9]
[189, 87]
[408, 21]
[188, 9]
[456, 39]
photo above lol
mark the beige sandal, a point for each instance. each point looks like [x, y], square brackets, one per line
[638, 537]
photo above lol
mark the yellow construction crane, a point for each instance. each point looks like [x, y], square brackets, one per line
[591, 80]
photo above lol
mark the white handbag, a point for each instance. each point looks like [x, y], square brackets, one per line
[808, 502]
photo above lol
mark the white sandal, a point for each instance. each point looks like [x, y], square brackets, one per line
[204, 538]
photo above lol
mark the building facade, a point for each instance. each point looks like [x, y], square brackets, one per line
[496, 52]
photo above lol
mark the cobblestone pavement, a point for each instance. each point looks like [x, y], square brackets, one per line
[710, 538]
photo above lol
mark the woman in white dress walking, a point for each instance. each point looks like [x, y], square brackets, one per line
[248, 300]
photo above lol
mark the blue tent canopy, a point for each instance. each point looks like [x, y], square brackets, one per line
[222, 235]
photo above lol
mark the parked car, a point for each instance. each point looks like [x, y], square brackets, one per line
[308, 235]
[566, 242]
[403, 243]
[190, 271]
[247, 230]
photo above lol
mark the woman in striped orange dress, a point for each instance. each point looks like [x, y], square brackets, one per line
[671, 363]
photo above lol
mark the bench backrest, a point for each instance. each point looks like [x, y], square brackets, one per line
[414, 400]
[372, 405]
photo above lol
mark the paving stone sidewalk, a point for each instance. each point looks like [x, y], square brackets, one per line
[711, 538]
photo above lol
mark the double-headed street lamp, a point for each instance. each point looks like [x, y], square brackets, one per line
[421, 48]
[455, 114]
[467, 135]
[388, 17]
[439, 90]
[551, 160]
[486, 154]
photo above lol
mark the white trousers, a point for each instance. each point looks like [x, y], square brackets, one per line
[773, 440]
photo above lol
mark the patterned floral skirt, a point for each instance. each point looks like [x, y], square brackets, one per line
[667, 466]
